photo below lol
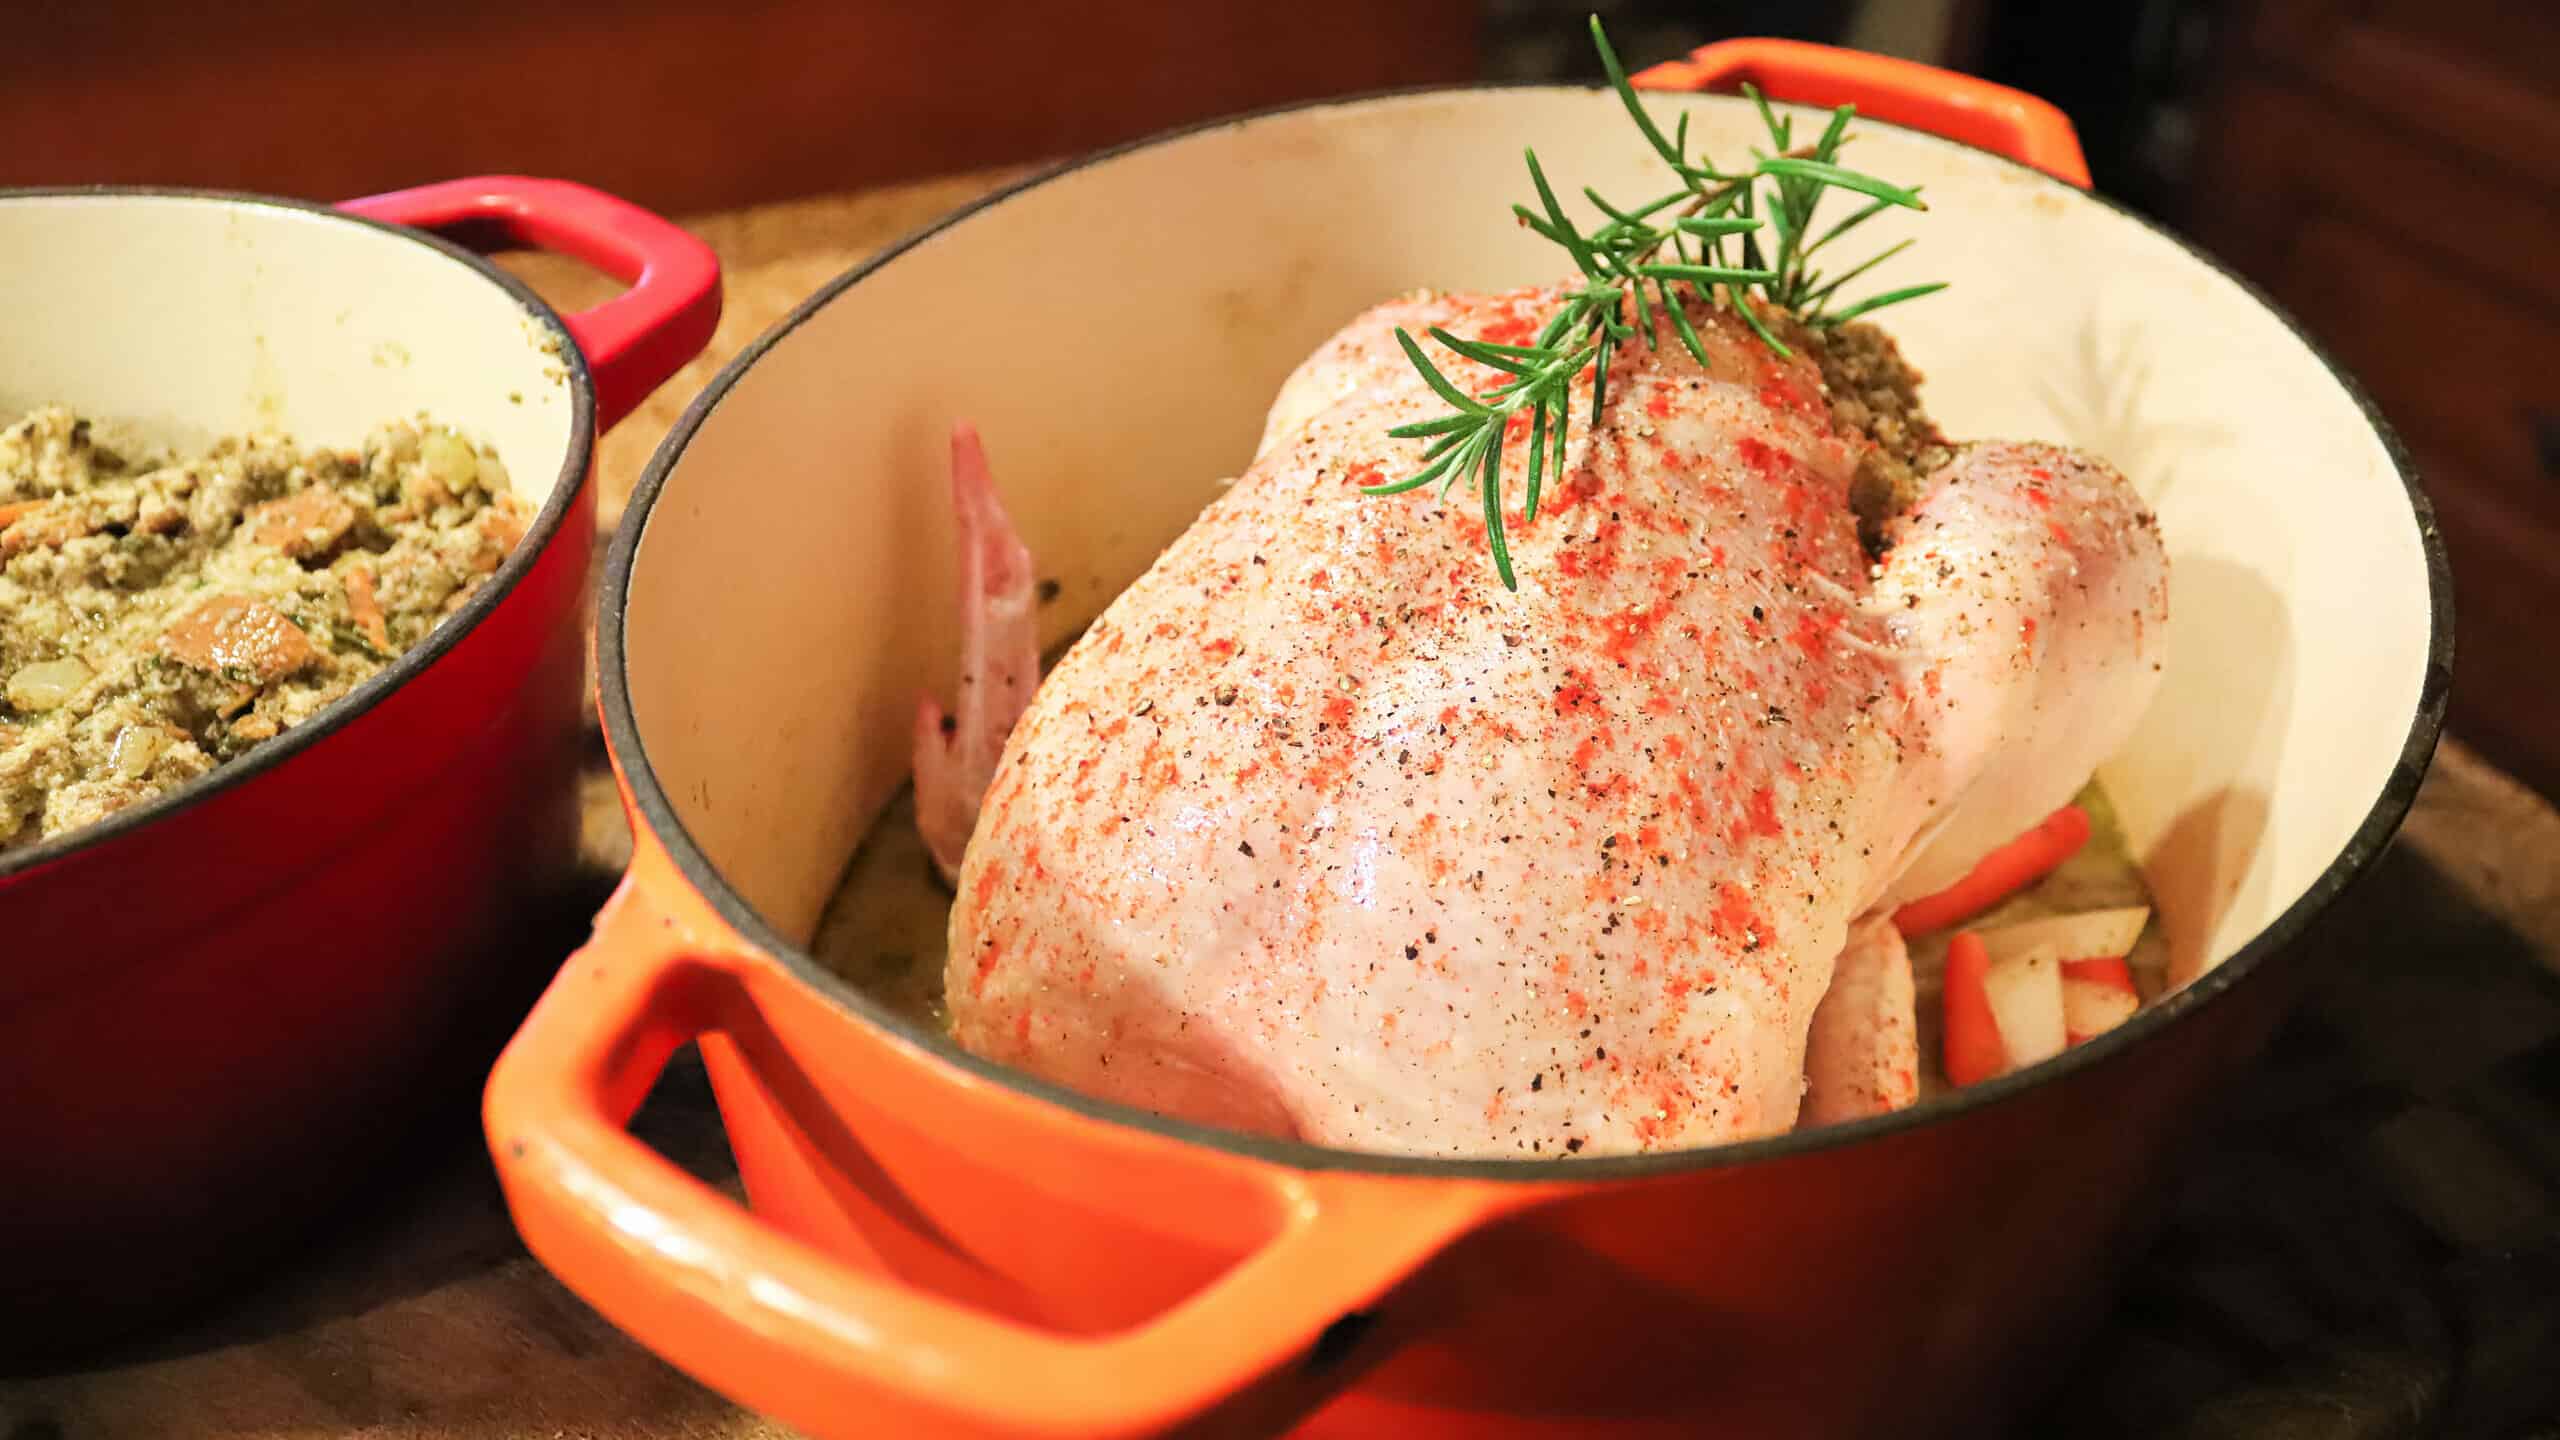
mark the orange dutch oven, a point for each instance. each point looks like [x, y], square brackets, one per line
[931, 1244]
[219, 1008]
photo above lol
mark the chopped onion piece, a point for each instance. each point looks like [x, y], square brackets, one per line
[46, 683]
[2090, 935]
[136, 747]
[449, 458]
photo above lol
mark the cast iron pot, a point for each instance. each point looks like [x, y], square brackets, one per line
[213, 1004]
[935, 1245]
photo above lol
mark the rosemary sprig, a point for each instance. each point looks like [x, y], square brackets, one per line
[1647, 257]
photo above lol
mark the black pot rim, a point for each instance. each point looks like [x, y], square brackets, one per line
[2372, 835]
[19, 865]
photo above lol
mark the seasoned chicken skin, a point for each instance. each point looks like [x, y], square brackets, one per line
[1319, 831]
[1863, 1055]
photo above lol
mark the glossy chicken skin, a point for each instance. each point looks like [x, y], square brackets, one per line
[1319, 831]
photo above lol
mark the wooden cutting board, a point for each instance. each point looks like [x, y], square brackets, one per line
[2369, 1248]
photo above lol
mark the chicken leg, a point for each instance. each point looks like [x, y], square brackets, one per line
[956, 751]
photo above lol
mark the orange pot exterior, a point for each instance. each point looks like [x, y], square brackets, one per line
[213, 1022]
[932, 1249]
[828, 1302]
[930, 1253]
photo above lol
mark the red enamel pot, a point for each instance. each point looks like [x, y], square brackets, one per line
[934, 1245]
[214, 1005]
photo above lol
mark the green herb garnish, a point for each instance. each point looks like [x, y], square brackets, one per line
[1646, 256]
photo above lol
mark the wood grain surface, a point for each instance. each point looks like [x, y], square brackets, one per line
[2337, 137]
[672, 104]
[2368, 1248]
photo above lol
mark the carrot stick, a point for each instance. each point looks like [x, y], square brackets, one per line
[2002, 873]
[365, 608]
[2097, 996]
[2109, 971]
[1972, 1050]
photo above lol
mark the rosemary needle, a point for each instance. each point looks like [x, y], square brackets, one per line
[1766, 212]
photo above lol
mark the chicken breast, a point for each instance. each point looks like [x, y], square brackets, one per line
[1320, 831]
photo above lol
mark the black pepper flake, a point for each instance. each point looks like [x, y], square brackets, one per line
[1573, 1146]
[1611, 843]
[1413, 952]
[1599, 1052]
[1245, 848]
[1049, 590]
[1538, 1082]
[1430, 937]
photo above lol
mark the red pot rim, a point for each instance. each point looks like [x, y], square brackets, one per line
[346, 709]
[643, 793]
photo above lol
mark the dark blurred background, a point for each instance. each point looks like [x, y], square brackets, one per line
[2389, 169]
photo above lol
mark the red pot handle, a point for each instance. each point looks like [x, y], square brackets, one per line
[839, 1349]
[1992, 117]
[632, 342]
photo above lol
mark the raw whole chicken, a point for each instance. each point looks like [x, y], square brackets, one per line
[1321, 832]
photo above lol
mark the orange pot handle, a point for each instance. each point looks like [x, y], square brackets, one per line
[2024, 127]
[837, 1349]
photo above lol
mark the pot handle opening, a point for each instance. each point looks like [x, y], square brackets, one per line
[2004, 121]
[836, 1348]
[633, 342]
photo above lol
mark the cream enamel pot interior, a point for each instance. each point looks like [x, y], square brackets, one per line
[940, 1246]
[218, 1008]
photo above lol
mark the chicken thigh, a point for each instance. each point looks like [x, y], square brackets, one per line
[1862, 1056]
[1320, 831]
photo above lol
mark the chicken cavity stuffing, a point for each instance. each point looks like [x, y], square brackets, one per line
[1321, 832]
